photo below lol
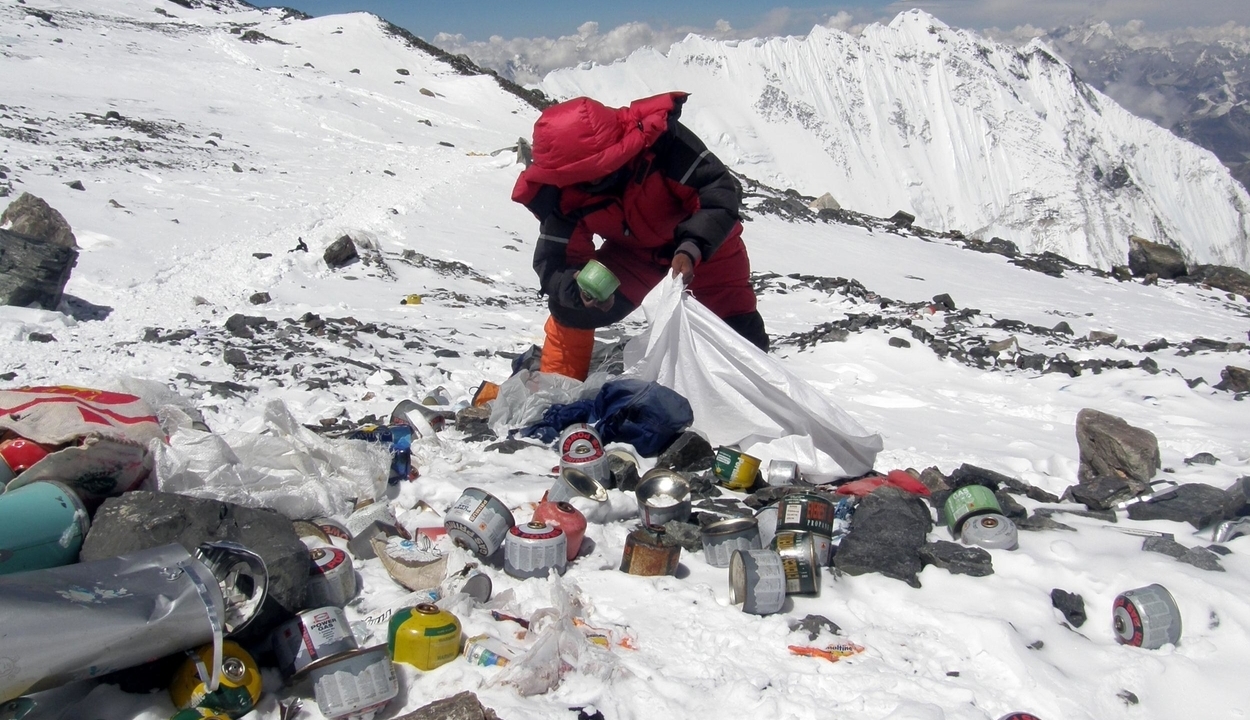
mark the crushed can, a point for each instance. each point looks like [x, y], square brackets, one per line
[649, 552]
[567, 518]
[236, 694]
[798, 558]
[573, 482]
[967, 502]
[355, 685]
[478, 521]
[331, 577]
[991, 531]
[313, 636]
[534, 549]
[468, 580]
[723, 537]
[423, 636]
[42, 525]
[1146, 617]
[757, 581]
[333, 528]
[486, 651]
[662, 495]
[735, 469]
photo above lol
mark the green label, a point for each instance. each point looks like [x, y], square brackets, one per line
[444, 630]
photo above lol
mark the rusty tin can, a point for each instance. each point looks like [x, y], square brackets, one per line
[331, 577]
[478, 521]
[798, 557]
[312, 636]
[757, 581]
[355, 685]
[647, 552]
[533, 549]
[723, 537]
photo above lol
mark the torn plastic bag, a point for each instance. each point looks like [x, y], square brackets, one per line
[274, 463]
[644, 414]
[740, 395]
[524, 397]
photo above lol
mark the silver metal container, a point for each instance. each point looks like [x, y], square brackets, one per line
[478, 521]
[995, 532]
[470, 581]
[782, 472]
[86, 620]
[311, 637]
[533, 549]
[579, 441]
[662, 495]
[723, 537]
[757, 581]
[798, 557]
[1146, 617]
[574, 482]
[331, 577]
[355, 685]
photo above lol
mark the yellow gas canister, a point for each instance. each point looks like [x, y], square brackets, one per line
[423, 636]
[240, 682]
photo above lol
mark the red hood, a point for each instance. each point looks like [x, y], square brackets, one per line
[582, 140]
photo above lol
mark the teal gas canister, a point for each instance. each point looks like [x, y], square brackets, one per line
[42, 525]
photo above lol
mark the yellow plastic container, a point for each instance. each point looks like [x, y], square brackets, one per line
[423, 636]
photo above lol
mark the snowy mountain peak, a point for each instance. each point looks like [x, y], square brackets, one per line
[963, 132]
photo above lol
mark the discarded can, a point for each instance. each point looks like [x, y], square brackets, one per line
[331, 578]
[567, 518]
[42, 525]
[576, 482]
[333, 528]
[735, 468]
[106, 607]
[310, 534]
[757, 581]
[647, 552]
[798, 557]
[581, 449]
[766, 517]
[478, 521]
[236, 694]
[723, 537]
[16, 455]
[533, 549]
[17, 709]
[423, 636]
[355, 685]
[470, 581]
[782, 472]
[993, 531]
[1146, 617]
[597, 281]
[486, 651]
[969, 501]
[311, 637]
[410, 299]
[809, 513]
[420, 418]
[662, 495]
[579, 440]
[437, 396]
[1019, 716]
[192, 714]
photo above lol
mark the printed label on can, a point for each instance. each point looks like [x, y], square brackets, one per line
[356, 685]
[806, 513]
[757, 579]
[313, 635]
[797, 553]
[487, 651]
[534, 549]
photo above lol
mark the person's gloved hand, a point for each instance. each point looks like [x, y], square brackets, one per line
[683, 265]
[590, 302]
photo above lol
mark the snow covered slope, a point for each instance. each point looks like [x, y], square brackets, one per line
[152, 105]
[964, 133]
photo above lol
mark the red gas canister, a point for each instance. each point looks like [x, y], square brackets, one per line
[567, 518]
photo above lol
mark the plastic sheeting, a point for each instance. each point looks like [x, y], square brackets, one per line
[283, 466]
[740, 395]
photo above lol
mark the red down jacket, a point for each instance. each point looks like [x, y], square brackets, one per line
[648, 187]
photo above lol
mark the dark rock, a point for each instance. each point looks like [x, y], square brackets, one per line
[1202, 458]
[899, 342]
[524, 152]
[1238, 497]
[1121, 273]
[445, 353]
[1156, 345]
[1102, 492]
[690, 452]
[688, 535]
[1110, 446]
[1070, 604]
[1224, 278]
[260, 298]
[241, 326]
[142, 520]
[33, 271]
[934, 480]
[1062, 328]
[957, 559]
[509, 446]
[1151, 258]
[814, 625]
[235, 358]
[1037, 645]
[1098, 337]
[236, 168]
[1063, 365]
[402, 71]
[1197, 504]
[1038, 522]
[623, 473]
[1202, 558]
[473, 420]
[967, 474]
[944, 301]
[1234, 379]
[1128, 697]
[262, 255]
[1010, 507]
[41, 337]
[1149, 365]
[1195, 382]
[76, 185]
[886, 535]
[461, 706]
[31, 217]
[1219, 550]
[1108, 516]
[1165, 545]
[341, 252]
[902, 219]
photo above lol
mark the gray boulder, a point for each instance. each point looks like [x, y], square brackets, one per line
[1197, 504]
[887, 532]
[958, 559]
[1110, 446]
[461, 706]
[1224, 278]
[37, 253]
[31, 216]
[341, 252]
[1151, 258]
[1234, 379]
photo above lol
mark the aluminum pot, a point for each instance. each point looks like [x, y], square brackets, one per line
[662, 495]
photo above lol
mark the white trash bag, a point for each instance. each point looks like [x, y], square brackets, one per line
[742, 396]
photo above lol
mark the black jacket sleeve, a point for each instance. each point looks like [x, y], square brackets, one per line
[686, 160]
[555, 277]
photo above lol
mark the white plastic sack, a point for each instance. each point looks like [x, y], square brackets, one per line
[524, 397]
[282, 465]
[742, 396]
